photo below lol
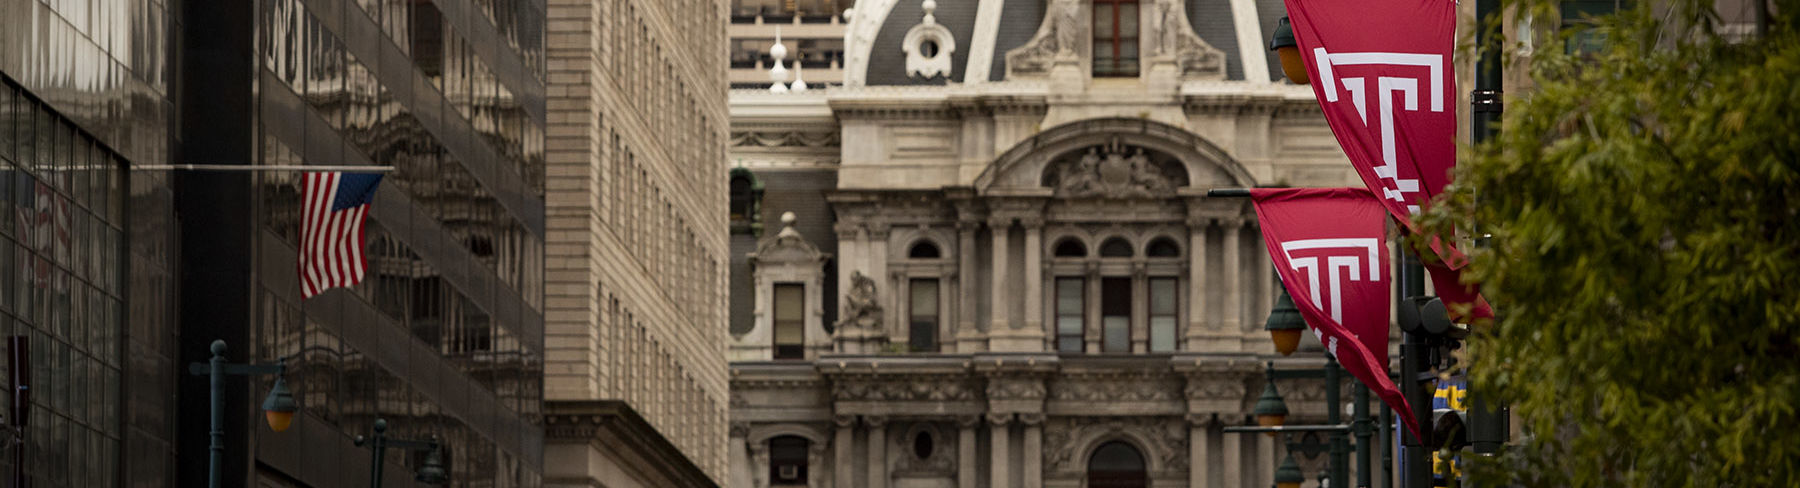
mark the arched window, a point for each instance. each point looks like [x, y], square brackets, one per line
[1116, 465]
[1070, 247]
[1115, 248]
[924, 249]
[746, 196]
[1163, 247]
[787, 461]
[1115, 37]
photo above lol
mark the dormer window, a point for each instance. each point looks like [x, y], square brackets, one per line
[1116, 38]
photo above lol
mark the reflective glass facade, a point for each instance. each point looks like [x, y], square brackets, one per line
[87, 239]
[444, 337]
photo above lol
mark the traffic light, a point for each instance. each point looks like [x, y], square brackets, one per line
[1427, 316]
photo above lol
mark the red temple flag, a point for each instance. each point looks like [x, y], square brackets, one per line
[1382, 74]
[1330, 247]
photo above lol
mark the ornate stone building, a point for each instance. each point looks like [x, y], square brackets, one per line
[634, 321]
[987, 258]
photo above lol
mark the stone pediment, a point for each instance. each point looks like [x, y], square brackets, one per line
[786, 247]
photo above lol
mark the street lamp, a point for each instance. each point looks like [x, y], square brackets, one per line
[1283, 44]
[431, 470]
[1270, 410]
[1284, 324]
[1288, 474]
[278, 408]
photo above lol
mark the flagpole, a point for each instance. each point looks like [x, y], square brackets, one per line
[347, 168]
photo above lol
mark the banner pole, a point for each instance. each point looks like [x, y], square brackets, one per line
[347, 168]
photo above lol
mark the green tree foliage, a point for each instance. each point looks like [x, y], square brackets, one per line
[1644, 203]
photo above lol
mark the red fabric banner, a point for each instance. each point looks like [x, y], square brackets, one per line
[1330, 247]
[1381, 71]
[1382, 74]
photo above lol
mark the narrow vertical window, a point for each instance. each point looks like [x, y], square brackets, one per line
[1115, 37]
[924, 324]
[1162, 314]
[790, 322]
[1115, 315]
[1069, 306]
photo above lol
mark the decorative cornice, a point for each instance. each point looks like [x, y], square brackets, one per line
[613, 426]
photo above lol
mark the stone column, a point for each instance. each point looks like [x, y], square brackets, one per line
[815, 457]
[999, 440]
[1034, 274]
[844, 466]
[1093, 331]
[1199, 449]
[877, 258]
[966, 472]
[878, 465]
[1140, 306]
[1197, 278]
[1234, 285]
[1000, 316]
[1234, 461]
[740, 453]
[759, 456]
[966, 296]
[1033, 449]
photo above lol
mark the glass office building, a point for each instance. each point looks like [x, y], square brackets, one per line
[86, 243]
[115, 272]
[444, 337]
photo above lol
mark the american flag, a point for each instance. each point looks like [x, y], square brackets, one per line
[331, 232]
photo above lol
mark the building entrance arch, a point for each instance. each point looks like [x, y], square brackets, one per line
[1117, 464]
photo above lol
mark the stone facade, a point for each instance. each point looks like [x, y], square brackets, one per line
[636, 236]
[1023, 262]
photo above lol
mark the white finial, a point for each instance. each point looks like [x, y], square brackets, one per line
[788, 218]
[929, 6]
[799, 82]
[778, 73]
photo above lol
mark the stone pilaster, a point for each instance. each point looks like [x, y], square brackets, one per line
[878, 465]
[844, 464]
[1032, 470]
[1000, 444]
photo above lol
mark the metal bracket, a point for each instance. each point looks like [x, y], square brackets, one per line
[1486, 101]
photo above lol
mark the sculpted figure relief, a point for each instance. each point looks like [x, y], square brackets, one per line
[1115, 174]
[861, 306]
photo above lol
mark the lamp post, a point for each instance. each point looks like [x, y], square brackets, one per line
[278, 408]
[430, 472]
[1271, 415]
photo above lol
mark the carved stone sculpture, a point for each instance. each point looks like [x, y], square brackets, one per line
[1062, 36]
[861, 306]
[1118, 172]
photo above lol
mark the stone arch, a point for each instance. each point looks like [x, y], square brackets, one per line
[1021, 170]
[1154, 457]
[760, 435]
[1155, 244]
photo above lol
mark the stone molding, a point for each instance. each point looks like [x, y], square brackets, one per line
[613, 426]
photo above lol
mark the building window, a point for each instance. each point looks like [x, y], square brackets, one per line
[1070, 248]
[1115, 37]
[1578, 19]
[790, 321]
[924, 323]
[1163, 247]
[1069, 306]
[787, 461]
[1162, 314]
[924, 250]
[1115, 315]
[1115, 248]
[746, 201]
[922, 446]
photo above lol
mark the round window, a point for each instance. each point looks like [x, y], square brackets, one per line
[928, 48]
[922, 445]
